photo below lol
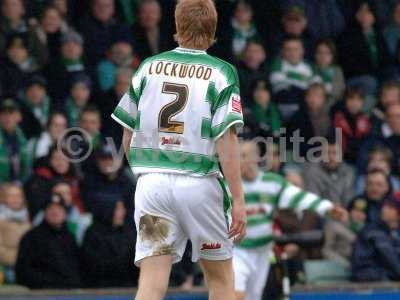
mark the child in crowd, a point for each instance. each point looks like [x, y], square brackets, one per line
[35, 107]
[14, 223]
[375, 253]
[330, 73]
[121, 55]
[389, 95]
[243, 28]
[263, 119]
[77, 222]
[79, 97]
[355, 124]
[339, 237]
[17, 67]
[290, 77]
[39, 147]
[14, 155]
[311, 120]
[379, 158]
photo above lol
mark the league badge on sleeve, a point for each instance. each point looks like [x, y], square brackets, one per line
[236, 104]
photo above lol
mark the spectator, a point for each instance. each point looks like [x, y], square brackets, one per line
[294, 175]
[330, 73]
[150, 38]
[55, 166]
[273, 162]
[252, 67]
[49, 32]
[386, 135]
[56, 126]
[78, 99]
[108, 249]
[61, 72]
[54, 263]
[263, 118]
[16, 68]
[12, 22]
[377, 188]
[14, 223]
[290, 77]
[108, 101]
[35, 107]
[379, 158]
[376, 251]
[14, 157]
[120, 56]
[353, 123]
[312, 119]
[324, 18]
[90, 121]
[392, 32]
[107, 182]
[294, 24]
[243, 28]
[366, 43]
[77, 222]
[389, 95]
[331, 177]
[99, 28]
[339, 237]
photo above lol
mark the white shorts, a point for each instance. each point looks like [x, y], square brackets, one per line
[171, 209]
[251, 267]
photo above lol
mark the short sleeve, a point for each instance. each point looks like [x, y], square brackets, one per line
[228, 112]
[127, 109]
[125, 113]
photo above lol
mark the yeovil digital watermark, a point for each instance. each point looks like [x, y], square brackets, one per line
[77, 145]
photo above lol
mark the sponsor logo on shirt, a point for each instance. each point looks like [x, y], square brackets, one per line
[170, 141]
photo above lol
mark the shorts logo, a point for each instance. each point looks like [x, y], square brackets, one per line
[236, 105]
[210, 246]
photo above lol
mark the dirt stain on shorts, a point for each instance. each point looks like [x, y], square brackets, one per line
[154, 229]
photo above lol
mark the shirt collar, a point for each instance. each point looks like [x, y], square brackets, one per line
[190, 51]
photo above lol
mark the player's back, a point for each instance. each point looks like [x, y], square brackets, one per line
[179, 103]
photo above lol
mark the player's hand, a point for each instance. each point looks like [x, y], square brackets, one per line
[339, 213]
[239, 220]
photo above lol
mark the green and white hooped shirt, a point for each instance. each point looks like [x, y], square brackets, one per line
[268, 192]
[180, 102]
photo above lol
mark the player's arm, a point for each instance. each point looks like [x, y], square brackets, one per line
[126, 141]
[299, 200]
[228, 153]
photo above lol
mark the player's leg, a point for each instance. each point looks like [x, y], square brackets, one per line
[154, 277]
[259, 276]
[160, 241]
[242, 268]
[203, 211]
[219, 278]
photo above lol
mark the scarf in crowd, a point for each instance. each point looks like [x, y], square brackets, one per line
[270, 116]
[8, 214]
[73, 112]
[241, 36]
[73, 65]
[41, 111]
[6, 166]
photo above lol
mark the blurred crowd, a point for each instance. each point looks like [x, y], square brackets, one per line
[307, 68]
